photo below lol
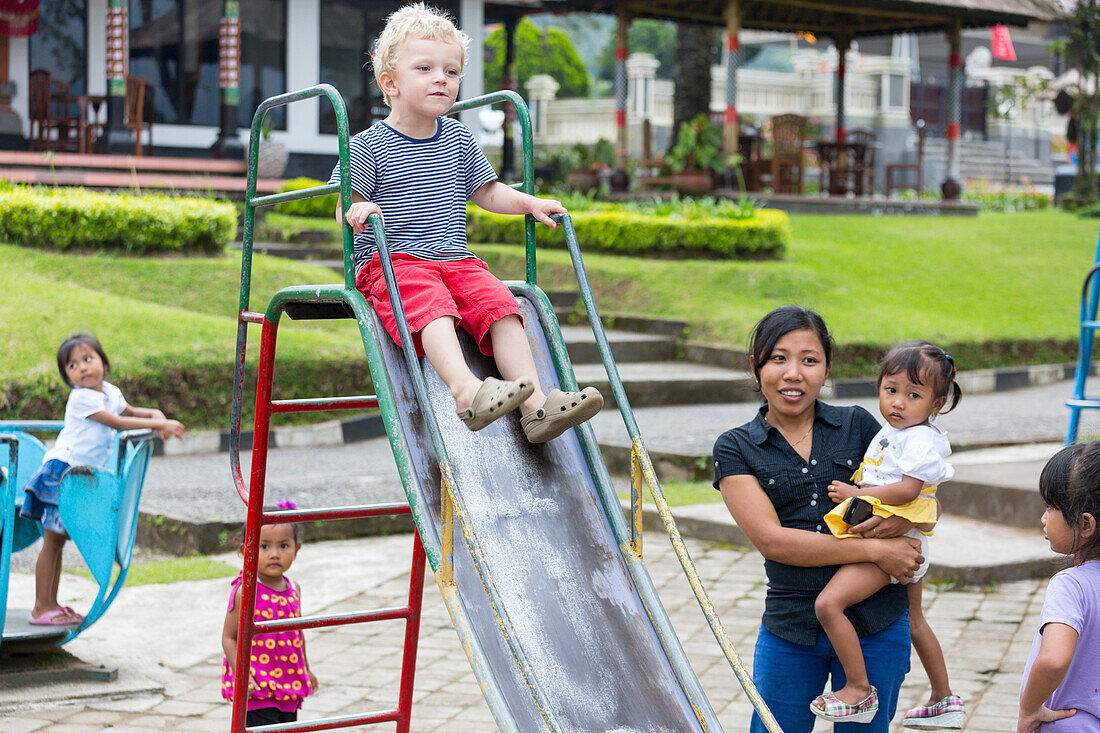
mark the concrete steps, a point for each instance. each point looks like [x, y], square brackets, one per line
[125, 172]
[965, 551]
[987, 159]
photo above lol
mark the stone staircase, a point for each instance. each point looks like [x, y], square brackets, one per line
[128, 173]
[987, 159]
[989, 531]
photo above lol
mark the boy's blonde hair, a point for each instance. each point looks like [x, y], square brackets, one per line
[413, 21]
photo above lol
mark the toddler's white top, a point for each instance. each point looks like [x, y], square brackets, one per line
[84, 442]
[919, 451]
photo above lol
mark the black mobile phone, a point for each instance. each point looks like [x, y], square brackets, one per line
[858, 511]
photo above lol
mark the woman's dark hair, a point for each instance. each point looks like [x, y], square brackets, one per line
[778, 324]
[79, 339]
[1070, 483]
[920, 358]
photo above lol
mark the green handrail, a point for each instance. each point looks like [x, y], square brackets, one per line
[643, 469]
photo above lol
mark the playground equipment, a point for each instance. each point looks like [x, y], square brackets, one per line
[1090, 296]
[98, 507]
[540, 572]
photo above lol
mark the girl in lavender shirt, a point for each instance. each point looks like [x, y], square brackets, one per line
[1062, 676]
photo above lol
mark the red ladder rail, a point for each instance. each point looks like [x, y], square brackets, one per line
[248, 628]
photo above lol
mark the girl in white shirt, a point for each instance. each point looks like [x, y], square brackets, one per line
[94, 413]
[901, 469]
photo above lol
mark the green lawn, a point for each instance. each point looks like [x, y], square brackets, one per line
[681, 493]
[877, 280]
[171, 570]
[148, 307]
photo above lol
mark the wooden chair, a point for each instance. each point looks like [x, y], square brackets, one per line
[139, 108]
[788, 139]
[893, 169]
[861, 164]
[53, 127]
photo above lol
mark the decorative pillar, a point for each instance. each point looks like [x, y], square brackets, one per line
[641, 72]
[623, 22]
[951, 187]
[734, 60]
[18, 19]
[541, 89]
[511, 81]
[843, 43]
[228, 145]
[116, 139]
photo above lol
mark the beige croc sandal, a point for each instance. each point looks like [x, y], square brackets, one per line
[561, 411]
[494, 398]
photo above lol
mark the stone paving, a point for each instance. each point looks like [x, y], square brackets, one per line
[171, 633]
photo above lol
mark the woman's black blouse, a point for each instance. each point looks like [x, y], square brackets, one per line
[799, 490]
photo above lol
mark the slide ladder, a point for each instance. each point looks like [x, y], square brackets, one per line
[1090, 296]
[543, 578]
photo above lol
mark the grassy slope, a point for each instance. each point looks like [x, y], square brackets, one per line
[875, 280]
[147, 306]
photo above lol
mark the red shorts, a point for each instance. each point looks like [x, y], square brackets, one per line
[462, 289]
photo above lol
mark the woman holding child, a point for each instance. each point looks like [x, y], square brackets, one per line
[774, 474]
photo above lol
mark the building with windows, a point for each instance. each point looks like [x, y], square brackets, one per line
[174, 46]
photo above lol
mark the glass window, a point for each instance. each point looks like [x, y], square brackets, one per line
[174, 47]
[897, 90]
[348, 30]
[61, 44]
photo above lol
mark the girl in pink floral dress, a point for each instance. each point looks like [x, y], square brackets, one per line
[279, 674]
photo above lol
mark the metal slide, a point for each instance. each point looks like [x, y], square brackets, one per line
[543, 578]
[541, 518]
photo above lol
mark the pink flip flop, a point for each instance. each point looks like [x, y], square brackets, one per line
[53, 618]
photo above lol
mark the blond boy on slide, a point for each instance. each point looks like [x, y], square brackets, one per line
[417, 168]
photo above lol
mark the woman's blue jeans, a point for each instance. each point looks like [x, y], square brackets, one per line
[789, 677]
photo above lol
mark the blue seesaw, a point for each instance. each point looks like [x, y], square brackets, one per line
[99, 508]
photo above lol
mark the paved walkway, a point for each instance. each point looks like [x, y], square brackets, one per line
[167, 636]
[165, 639]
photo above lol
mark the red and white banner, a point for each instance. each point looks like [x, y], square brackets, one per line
[1001, 43]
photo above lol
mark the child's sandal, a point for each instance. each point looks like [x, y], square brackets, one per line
[561, 411]
[493, 399]
[836, 710]
[947, 713]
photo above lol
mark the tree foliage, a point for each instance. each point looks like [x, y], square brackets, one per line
[1083, 54]
[657, 37]
[537, 52]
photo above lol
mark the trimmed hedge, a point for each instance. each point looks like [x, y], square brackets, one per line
[78, 219]
[323, 207]
[765, 236]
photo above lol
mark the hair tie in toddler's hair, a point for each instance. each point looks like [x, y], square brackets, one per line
[288, 504]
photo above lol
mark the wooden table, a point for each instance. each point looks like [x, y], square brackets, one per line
[841, 166]
[87, 123]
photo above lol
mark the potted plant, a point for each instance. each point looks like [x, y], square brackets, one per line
[696, 157]
[584, 176]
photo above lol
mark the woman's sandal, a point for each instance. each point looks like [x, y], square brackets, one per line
[947, 713]
[494, 398]
[837, 711]
[561, 411]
